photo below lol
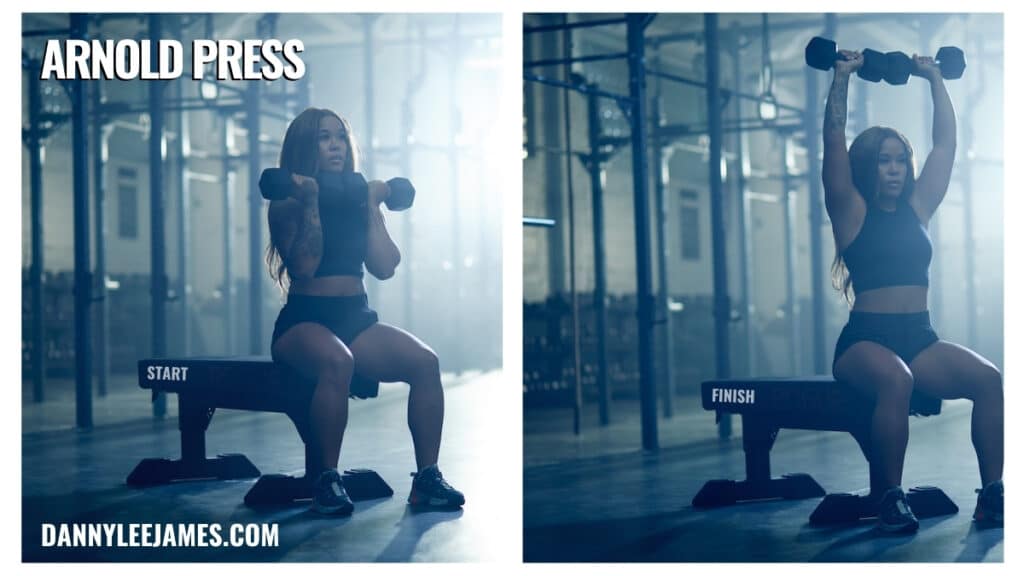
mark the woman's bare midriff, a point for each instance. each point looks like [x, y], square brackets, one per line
[893, 300]
[327, 286]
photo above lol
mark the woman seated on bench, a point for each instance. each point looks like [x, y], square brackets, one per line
[888, 349]
[326, 330]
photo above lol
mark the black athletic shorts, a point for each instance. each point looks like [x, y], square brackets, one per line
[345, 316]
[907, 335]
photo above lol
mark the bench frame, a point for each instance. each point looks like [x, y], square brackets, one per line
[269, 387]
[836, 408]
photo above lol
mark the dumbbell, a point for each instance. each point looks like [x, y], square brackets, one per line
[949, 58]
[401, 194]
[951, 62]
[276, 184]
[821, 54]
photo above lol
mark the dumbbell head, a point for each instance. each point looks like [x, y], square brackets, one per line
[275, 183]
[874, 67]
[820, 53]
[898, 68]
[951, 62]
[401, 195]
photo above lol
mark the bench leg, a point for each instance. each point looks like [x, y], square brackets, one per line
[193, 419]
[758, 439]
[842, 508]
[282, 490]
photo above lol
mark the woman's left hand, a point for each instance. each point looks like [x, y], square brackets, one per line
[926, 67]
[379, 191]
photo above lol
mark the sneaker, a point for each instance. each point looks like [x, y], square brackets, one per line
[989, 511]
[895, 515]
[430, 490]
[329, 495]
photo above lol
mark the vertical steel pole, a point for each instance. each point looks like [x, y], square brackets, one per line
[746, 247]
[227, 224]
[660, 157]
[158, 275]
[35, 158]
[83, 278]
[100, 134]
[184, 228]
[635, 24]
[252, 118]
[722, 306]
[595, 165]
[788, 200]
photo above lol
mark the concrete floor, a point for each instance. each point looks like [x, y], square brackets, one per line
[79, 476]
[599, 498]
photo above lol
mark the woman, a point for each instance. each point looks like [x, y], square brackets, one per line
[319, 242]
[888, 349]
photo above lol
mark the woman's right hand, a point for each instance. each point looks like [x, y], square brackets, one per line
[305, 188]
[849, 62]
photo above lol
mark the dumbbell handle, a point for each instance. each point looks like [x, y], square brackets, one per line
[277, 183]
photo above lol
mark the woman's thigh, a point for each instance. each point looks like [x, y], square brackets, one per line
[310, 348]
[389, 354]
[872, 368]
[947, 370]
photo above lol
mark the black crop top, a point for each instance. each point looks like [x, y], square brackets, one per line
[891, 249]
[344, 223]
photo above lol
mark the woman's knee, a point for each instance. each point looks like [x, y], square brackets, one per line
[425, 363]
[896, 384]
[988, 384]
[336, 369]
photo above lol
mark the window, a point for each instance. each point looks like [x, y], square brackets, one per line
[127, 203]
[689, 225]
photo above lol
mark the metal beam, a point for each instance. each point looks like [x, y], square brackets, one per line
[789, 241]
[158, 249]
[581, 88]
[595, 166]
[101, 135]
[641, 215]
[661, 158]
[83, 278]
[722, 91]
[227, 231]
[573, 25]
[575, 59]
[722, 306]
[743, 208]
[577, 378]
[35, 158]
[252, 119]
[184, 230]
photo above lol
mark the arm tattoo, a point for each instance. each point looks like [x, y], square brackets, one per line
[835, 108]
[309, 239]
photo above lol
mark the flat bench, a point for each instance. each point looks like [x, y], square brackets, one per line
[767, 405]
[254, 383]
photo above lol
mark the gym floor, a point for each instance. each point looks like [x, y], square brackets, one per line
[79, 476]
[598, 497]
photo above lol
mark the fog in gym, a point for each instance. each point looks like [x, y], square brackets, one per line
[144, 236]
[647, 273]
